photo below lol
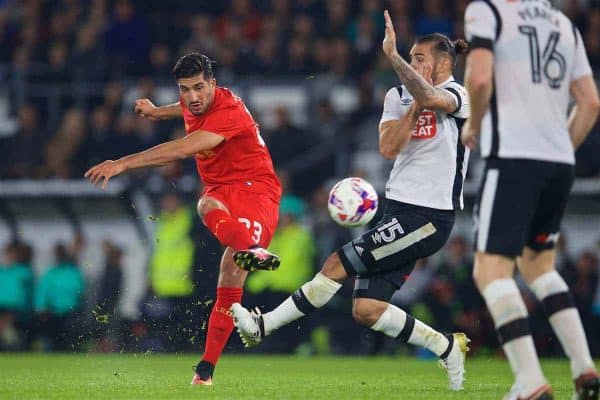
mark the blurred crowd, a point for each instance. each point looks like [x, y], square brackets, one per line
[72, 68]
[62, 308]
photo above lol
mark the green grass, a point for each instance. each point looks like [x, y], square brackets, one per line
[92, 376]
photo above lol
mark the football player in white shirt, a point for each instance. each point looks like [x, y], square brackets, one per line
[416, 223]
[526, 58]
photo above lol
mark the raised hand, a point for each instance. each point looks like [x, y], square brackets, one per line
[389, 41]
[145, 108]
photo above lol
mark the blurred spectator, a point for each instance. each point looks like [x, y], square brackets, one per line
[434, 19]
[113, 96]
[586, 283]
[453, 298]
[23, 154]
[61, 151]
[336, 21]
[109, 294]
[160, 63]
[564, 263]
[202, 38]
[59, 70]
[298, 62]
[89, 59]
[16, 293]
[59, 301]
[128, 39]
[171, 276]
[296, 247]
[241, 21]
[365, 38]
[99, 144]
[285, 140]
[266, 59]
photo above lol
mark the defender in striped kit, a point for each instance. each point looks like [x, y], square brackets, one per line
[527, 60]
[420, 129]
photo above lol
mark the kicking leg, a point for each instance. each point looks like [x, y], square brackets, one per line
[253, 326]
[234, 233]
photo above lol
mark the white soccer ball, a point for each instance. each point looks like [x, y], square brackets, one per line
[352, 202]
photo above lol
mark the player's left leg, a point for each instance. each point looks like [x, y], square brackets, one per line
[370, 308]
[254, 217]
[220, 324]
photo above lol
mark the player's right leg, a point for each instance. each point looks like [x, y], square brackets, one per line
[405, 234]
[233, 233]
[552, 291]
[370, 308]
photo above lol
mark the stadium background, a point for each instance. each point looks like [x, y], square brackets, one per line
[131, 268]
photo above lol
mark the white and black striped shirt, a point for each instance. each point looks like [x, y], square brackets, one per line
[430, 169]
[538, 52]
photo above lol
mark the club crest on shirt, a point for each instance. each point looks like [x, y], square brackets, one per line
[426, 126]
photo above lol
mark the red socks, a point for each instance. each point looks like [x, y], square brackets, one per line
[229, 231]
[220, 323]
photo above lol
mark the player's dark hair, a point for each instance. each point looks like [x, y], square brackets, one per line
[193, 64]
[443, 44]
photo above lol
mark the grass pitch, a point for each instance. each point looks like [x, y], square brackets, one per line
[92, 376]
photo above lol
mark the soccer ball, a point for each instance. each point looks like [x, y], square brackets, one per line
[352, 202]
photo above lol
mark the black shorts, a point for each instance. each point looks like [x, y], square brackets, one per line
[521, 203]
[384, 255]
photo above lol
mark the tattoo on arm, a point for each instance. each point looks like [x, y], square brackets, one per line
[422, 91]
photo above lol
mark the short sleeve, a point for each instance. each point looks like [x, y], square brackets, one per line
[463, 107]
[481, 25]
[226, 122]
[581, 64]
[391, 106]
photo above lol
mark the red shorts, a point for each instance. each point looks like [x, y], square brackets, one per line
[255, 210]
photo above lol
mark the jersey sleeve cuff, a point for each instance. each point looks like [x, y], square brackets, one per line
[458, 98]
[478, 42]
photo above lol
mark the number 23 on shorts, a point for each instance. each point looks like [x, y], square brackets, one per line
[254, 227]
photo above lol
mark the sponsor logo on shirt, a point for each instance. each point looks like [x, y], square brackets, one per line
[206, 154]
[426, 126]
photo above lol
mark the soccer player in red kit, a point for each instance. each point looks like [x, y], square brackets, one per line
[240, 202]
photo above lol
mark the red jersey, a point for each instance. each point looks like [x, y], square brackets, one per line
[242, 159]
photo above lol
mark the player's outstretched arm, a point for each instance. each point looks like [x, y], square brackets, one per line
[145, 108]
[423, 91]
[395, 134]
[161, 154]
[587, 106]
[478, 81]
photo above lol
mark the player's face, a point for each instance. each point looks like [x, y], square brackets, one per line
[420, 55]
[197, 93]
